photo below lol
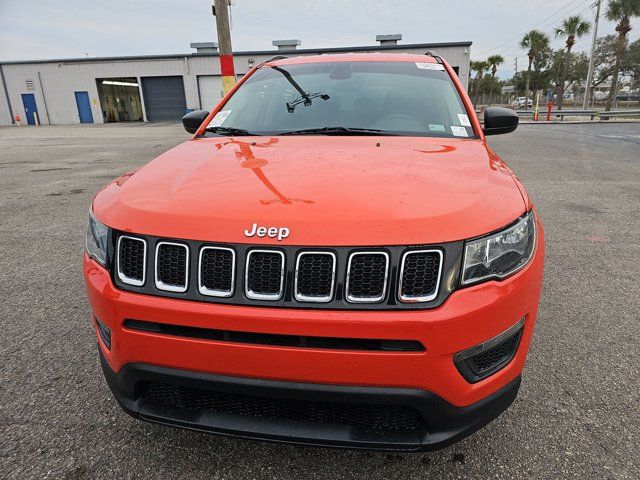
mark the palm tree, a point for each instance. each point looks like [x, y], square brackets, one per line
[536, 42]
[479, 67]
[494, 61]
[620, 11]
[572, 28]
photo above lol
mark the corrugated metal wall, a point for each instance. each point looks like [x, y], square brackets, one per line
[54, 83]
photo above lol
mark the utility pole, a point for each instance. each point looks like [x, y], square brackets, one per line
[587, 89]
[515, 81]
[221, 12]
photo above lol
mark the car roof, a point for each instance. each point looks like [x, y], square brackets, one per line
[354, 57]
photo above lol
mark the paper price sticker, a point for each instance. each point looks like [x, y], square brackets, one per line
[429, 66]
[459, 131]
[464, 120]
[219, 119]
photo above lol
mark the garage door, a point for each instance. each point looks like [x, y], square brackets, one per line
[164, 98]
[210, 88]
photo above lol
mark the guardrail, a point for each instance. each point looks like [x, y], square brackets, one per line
[619, 113]
[592, 114]
[560, 113]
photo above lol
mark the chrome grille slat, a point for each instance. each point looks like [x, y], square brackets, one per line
[256, 286]
[308, 282]
[215, 273]
[124, 265]
[169, 275]
[366, 265]
[420, 281]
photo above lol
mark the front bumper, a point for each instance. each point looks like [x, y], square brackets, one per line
[469, 317]
[446, 423]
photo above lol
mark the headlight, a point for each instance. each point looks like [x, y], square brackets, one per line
[501, 254]
[97, 240]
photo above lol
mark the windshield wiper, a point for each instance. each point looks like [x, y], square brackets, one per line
[337, 131]
[304, 97]
[230, 131]
[305, 100]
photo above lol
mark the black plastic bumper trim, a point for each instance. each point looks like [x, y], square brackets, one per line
[446, 424]
[294, 341]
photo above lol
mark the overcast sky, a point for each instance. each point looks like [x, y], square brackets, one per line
[35, 29]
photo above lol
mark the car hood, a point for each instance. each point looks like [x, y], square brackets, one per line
[327, 190]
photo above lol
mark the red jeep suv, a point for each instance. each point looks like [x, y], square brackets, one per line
[336, 257]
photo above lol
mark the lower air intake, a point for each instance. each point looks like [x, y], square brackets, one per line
[374, 417]
[487, 362]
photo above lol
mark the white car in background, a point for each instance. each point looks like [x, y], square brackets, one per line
[520, 102]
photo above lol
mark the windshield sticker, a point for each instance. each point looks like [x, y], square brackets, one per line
[429, 66]
[220, 117]
[434, 127]
[464, 120]
[459, 131]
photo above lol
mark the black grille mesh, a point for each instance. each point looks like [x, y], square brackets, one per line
[172, 264]
[131, 261]
[315, 275]
[367, 276]
[265, 273]
[495, 357]
[217, 270]
[377, 417]
[420, 274]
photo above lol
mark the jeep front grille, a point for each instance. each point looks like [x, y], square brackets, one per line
[172, 261]
[217, 271]
[420, 275]
[335, 278]
[132, 259]
[264, 278]
[367, 277]
[315, 276]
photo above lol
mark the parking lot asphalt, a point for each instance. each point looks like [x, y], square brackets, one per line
[577, 414]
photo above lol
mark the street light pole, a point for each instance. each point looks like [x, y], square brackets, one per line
[587, 89]
[221, 11]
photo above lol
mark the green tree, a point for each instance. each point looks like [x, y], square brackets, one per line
[576, 71]
[572, 27]
[620, 11]
[494, 61]
[536, 42]
[605, 59]
[479, 67]
[631, 60]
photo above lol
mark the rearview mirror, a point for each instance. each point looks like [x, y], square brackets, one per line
[498, 120]
[192, 120]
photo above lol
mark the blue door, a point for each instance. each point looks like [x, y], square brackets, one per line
[30, 108]
[84, 107]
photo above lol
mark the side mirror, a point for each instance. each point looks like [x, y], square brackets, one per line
[498, 120]
[192, 120]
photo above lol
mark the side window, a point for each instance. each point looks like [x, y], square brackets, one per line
[457, 70]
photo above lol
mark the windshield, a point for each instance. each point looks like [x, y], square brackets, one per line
[345, 98]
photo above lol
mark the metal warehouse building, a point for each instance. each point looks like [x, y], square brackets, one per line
[156, 87]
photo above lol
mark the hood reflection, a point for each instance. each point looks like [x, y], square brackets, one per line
[249, 160]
